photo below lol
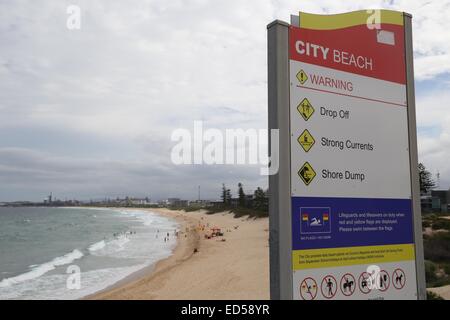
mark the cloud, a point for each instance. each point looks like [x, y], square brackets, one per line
[112, 93]
[97, 178]
[434, 145]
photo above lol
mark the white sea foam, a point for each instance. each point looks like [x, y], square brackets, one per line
[97, 246]
[53, 286]
[145, 217]
[42, 269]
[110, 247]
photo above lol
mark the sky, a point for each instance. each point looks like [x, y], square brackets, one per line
[89, 113]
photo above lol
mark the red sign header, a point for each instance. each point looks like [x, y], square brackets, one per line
[377, 53]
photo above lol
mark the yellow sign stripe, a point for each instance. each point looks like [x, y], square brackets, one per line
[349, 19]
[338, 257]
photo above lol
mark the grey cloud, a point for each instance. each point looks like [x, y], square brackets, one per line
[113, 92]
[93, 177]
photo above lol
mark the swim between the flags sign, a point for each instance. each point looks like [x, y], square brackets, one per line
[315, 220]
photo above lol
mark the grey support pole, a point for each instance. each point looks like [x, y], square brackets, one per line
[415, 191]
[280, 237]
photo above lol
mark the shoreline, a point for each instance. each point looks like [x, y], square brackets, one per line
[232, 267]
[183, 246]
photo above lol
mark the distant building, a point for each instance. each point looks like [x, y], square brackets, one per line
[426, 202]
[216, 203]
[440, 200]
[176, 202]
[234, 202]
[172, 201]
[139, 201]
[435, 201]
[200, 203]
[248, 201]
[181, 203]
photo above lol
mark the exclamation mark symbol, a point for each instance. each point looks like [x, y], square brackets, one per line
[302, 77]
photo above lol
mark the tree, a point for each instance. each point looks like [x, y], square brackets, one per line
[260, 200]
[226, 195]
[241, 195]
[425, 179]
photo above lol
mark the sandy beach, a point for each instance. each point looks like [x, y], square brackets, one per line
[444, 291]
[235, 266]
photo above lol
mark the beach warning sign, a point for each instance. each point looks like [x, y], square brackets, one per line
[350, 178]
[307, 173]
[306, 140]
[305, 109]
[302, 76]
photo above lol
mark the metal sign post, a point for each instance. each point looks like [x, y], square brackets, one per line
[345, 219]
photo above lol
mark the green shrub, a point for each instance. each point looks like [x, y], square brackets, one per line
[430, 272]
[440, 224]
[446, 268]
[433, 296]
[440, 282]
[239, 211]
[191, 208]
[253, 213]
[437, 247]
[426, 224]
[214, 210]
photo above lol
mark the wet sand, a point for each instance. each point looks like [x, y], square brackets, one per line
[236, 268]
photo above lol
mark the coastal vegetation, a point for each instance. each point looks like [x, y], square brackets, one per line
[255, 205]
[436, 241]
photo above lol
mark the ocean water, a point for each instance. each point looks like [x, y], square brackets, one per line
[41, 248]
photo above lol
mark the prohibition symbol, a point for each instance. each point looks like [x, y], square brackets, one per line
[306, 109]
[348, 284]
[398, 279]
[308, 289]
[329, 287]
[383, 281]
[365, 282]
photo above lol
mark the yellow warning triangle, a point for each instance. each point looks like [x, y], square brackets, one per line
[302, 76]
[306, 109]
[306, 140]
[307, 173]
